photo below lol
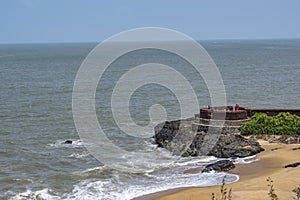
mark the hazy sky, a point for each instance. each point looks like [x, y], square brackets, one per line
[27, 21]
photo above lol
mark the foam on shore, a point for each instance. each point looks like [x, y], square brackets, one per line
[252, 184]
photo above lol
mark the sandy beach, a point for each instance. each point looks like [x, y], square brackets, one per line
[252, 184]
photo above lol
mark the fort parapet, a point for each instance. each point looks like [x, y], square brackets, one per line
[227, 112]
[273, 112]
[223, 113]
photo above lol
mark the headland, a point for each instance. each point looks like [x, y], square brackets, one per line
[188, 136]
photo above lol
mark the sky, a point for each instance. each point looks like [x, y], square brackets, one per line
[54, 21]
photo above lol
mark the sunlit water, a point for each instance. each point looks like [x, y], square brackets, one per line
[36, 116]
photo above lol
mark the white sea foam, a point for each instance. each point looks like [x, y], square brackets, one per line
[38, 195]
[246, 160]
[195, 161]
[4, 56]
[111, 191]
[79, 155]
[62, 144]
[158, 171]
[125, 184]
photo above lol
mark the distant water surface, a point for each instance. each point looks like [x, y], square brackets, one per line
[36, 82]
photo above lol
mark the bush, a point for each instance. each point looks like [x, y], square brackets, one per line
[225, 194]
[281, 124]
[272, 194]
[297, 192]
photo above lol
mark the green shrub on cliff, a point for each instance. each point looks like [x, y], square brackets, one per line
[281, 124]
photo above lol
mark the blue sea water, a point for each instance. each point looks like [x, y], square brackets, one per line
[36, 83]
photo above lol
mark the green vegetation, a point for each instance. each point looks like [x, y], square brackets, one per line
[225, 194]
[297, 192]
[281, 124]
[271, 193]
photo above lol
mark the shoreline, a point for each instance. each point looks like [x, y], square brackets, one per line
[252, 183]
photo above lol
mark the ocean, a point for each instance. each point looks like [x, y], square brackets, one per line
[36, 84]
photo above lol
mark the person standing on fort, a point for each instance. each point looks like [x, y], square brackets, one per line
[237, 107]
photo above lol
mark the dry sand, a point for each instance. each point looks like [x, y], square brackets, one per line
[252, 184]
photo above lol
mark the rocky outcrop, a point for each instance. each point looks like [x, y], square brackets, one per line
[179, 138]
[235, 146]
[286, 139]
[219, 166]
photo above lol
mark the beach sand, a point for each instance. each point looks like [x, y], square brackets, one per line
[252, 184]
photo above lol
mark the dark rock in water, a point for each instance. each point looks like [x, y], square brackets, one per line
[68, 142]
[220, 166]
[179, 138]
[292, 165]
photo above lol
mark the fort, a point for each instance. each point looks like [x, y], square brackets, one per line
[241, 113]
[214, 131]
[229, 118]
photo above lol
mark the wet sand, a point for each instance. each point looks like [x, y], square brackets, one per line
[252, 184]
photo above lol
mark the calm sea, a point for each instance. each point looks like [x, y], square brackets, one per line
[36, 82]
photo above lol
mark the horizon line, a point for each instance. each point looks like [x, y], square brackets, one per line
[96, 42]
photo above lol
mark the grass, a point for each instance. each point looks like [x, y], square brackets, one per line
[272, 194]
[226, 194]
[297, 192]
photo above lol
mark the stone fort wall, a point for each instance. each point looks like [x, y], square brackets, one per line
[227, 112]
